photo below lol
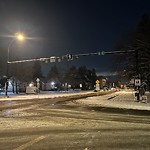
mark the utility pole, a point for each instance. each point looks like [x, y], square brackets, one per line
[137, 72]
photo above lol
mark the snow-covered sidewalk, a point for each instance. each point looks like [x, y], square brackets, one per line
[121, 99]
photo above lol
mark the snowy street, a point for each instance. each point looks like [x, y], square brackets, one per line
[69, 123]
[121, 99]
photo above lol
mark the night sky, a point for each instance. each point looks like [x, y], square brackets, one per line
[59, 27]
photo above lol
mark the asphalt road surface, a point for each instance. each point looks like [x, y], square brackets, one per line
[57, 124]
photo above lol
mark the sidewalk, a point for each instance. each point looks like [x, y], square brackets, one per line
[121, 100]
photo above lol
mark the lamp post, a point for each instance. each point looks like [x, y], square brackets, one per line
[19, 37]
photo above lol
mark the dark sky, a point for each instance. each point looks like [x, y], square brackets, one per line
[59, 27]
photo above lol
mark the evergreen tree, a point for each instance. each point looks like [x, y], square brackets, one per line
[136, 63]
[53, 73]
[3, 61]
[76, 76]
[37, 70]
[21, 71]
[71, 77]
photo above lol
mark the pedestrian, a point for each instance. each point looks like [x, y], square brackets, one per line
[141, 91]
[6, 87]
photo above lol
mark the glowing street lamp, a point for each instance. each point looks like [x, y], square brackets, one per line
[19, 37]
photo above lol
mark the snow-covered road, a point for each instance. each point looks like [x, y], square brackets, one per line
[121, 99]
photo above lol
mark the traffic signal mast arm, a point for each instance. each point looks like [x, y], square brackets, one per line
[71, 56]
[120, 52]
[27, 60]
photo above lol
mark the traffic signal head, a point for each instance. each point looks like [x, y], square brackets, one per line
[101, 53]
[69, 56]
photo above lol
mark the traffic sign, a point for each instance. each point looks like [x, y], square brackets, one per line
[97, 87]
[132, 81]
[37, 80]
[97, 81]
[137, 82]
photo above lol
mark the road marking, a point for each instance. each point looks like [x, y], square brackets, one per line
[22, 147]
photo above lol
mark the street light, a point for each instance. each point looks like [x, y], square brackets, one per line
[18, 37]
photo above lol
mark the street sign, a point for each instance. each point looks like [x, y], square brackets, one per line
[97, 81]
[132, 81]
[137, 82]
[52, 59]
[37, 80]
[97, 87]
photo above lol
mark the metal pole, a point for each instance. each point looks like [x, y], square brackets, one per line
[137, 72]
[7, 67]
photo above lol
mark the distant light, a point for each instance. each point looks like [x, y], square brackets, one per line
[31, 85]
[80, 85]
[52, 83]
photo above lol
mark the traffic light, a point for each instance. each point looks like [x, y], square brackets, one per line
[69, 56]
[101, 53]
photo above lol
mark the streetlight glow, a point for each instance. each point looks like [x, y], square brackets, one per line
[20, 36]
